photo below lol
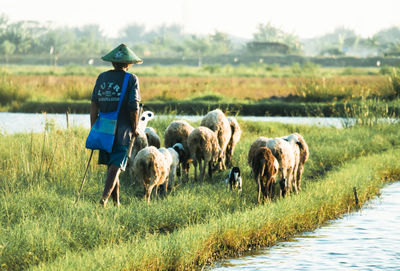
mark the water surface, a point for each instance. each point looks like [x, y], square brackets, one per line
[365, 240]
[27, 122]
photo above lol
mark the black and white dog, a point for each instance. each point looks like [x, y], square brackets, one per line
[234, 179]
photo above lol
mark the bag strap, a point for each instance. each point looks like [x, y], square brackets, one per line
[124, 87]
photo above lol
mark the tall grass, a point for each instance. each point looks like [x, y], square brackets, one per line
[10, 93]
[49, 88]
[198, 245]
[197, 222]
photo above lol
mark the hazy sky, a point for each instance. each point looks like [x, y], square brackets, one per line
[305, 18]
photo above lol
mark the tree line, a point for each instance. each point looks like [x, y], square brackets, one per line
[43, 39]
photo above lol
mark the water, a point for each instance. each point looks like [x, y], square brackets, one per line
[26, 122]
[366, 240]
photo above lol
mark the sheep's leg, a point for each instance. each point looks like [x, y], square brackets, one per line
[165, 187]
[195, 170]
[210, 170]
[149, 190]
[258, 188]
[281, 184]
[185, 169]
[171, 180]
[290, 182]
[223, 162]
[203, 167]
[299, 175]
[294, 179]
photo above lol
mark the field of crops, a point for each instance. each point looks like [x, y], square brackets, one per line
[229, 85]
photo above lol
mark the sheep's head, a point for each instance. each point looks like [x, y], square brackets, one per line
[144, 118]
[293, 139]
[178, 147]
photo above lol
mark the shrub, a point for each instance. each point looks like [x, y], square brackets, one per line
[395, 80]
[10, 92]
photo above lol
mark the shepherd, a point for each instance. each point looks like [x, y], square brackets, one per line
[116, 91]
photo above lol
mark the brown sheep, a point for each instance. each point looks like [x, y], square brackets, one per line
[178, 131]
[265, 168]
[203, 146]
[283, 152]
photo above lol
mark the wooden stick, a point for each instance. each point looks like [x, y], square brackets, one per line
[84, 176]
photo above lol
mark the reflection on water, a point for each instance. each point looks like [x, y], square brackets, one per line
[366, 240]
[26, 122]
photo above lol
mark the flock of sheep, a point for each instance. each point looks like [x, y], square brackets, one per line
[210, 147]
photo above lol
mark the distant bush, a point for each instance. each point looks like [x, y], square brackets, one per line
[296, 68]
[209, 97]
[395, 80]
[386, 70]
[10, 92]
[211, 68]
[318, 90]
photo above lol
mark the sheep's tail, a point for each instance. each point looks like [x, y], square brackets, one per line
[146, 166]
[263, 162]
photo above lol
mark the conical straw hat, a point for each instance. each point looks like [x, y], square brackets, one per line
[122, 54]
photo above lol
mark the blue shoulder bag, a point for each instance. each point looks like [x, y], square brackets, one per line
[102, 133]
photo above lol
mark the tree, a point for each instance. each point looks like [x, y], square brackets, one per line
[389, 35]
[7, 48]
[220, 43]
[133, 33]
[269, 33]
[199, 46]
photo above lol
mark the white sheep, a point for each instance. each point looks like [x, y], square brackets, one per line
[304, 155]
[150, 168]
[178, 131]
[172, 159]
[140, 141]
[235, 137]
[265, 168]
[295, 147]
[152, 137]
[283, 152]
[203, 146]
[217, 122]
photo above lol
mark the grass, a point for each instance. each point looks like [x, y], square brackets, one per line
[195, 224]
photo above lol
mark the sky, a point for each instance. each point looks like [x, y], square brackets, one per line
[304, 18]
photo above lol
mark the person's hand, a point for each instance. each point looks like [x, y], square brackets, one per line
[135, 132]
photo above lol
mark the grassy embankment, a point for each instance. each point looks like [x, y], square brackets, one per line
[253, 90]
[195, 224]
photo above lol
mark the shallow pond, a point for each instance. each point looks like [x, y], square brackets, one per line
[27, 122]
[366, 240]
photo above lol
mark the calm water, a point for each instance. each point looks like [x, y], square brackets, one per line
[366, 240]
[25, 122]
